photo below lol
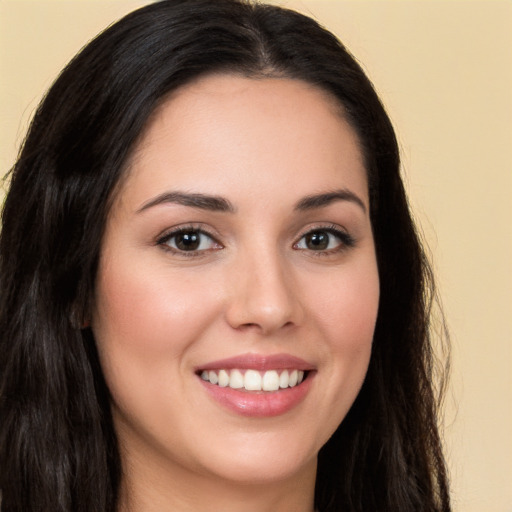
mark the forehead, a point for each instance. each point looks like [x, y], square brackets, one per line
[226, 128]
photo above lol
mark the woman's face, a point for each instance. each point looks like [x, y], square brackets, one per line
[237, 291]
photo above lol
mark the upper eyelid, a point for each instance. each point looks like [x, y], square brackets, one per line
[166, 236]
[176, 230]
[347, 239]
[330, 227]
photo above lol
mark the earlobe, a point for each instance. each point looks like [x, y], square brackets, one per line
[77, 323]
[79, 320]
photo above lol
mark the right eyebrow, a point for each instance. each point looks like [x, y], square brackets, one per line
[201, 201]
[325, 199]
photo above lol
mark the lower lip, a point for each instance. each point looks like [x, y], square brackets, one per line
[259, 404]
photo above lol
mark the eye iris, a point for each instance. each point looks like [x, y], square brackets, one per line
[317, 241]
[188, 241]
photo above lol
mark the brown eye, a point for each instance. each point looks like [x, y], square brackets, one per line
[189, 240]
[325, 240]
[318, 240]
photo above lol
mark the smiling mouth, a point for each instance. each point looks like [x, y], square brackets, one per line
[253, 380]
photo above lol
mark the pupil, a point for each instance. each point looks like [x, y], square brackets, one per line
[317, 241]
[187, 241]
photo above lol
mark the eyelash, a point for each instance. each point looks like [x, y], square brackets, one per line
[164, 240]
[346, 241]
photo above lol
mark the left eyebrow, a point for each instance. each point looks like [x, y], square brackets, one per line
[327, 198]
[201, 201]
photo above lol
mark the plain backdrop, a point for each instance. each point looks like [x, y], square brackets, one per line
[444, 72]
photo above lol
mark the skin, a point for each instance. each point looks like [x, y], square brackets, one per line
[254, 286]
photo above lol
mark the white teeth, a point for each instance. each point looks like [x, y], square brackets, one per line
[223, 378]
[236, 380]
[270, 381]
[284, 380]
[252, 380]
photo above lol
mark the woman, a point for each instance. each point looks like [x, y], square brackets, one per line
[213, 295]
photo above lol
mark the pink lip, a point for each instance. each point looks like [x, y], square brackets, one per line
[260, 403]
[259, 362]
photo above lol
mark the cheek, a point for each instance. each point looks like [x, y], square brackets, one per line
[140, 309]
[346, 312]
[347, 307]
[144, 325]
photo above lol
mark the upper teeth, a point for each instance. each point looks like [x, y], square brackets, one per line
[252, 380]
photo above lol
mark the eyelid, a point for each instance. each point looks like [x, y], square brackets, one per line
[347, 240]
[166, 235]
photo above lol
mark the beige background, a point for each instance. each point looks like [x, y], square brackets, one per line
[444, 71]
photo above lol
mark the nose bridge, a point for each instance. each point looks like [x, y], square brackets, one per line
[263, 294]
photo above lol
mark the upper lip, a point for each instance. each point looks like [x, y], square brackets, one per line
[259, 362]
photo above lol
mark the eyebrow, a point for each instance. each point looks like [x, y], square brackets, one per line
[202, 201]
[220, 204]
[325, 199]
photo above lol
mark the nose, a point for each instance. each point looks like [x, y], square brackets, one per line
[263, 296]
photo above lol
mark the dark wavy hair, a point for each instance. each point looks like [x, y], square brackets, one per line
[58, 447]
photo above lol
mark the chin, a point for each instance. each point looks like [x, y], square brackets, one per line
[263, 458]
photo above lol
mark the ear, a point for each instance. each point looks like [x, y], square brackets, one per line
[79, 319]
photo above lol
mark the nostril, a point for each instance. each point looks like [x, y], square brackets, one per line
[248, 325]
